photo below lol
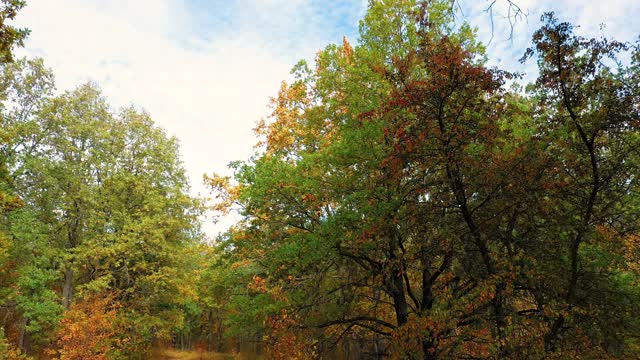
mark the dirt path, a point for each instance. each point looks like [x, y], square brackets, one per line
[169, 354]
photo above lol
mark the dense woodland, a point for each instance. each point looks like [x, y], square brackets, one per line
[404, 201]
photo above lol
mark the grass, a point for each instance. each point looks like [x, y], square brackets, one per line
[169, 354]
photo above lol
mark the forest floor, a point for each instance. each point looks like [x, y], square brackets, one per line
[169, 354]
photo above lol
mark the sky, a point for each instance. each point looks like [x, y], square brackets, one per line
[205, 69]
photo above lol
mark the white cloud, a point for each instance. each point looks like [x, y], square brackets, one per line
[209, 99]
[205, 74]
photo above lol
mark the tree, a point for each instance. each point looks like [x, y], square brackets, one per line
[592, 106]
[404, 201]
[91, 330]
[26, 264]
[10, 36]
[105, 207]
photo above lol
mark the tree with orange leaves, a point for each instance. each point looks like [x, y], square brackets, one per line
[90, 330]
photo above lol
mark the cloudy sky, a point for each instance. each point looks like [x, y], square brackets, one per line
[205, 69]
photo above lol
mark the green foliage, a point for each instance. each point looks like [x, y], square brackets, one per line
[10, 36]
[37, 302]
[106, 208]
[404, 199]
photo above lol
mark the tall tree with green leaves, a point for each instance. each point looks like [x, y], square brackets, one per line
[105, 209]
[404, 201]
[27, 273]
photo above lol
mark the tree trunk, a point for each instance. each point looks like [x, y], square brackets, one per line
[210, 330]
[219, 345]
[395, 284]
[23, 340]
[397, 290]
[67, 290]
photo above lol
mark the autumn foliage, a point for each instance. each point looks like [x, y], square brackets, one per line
[91, 329]
[404, 201]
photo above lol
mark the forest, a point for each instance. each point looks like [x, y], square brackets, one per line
[404, 200]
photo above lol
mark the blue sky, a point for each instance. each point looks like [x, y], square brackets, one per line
[205, 69]
[284, 25]
[620, 18]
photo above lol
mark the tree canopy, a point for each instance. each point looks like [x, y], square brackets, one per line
[404, 200]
